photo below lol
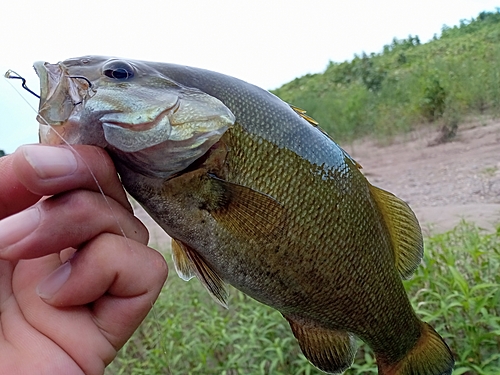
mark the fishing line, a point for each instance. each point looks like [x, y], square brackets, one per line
[10, 75]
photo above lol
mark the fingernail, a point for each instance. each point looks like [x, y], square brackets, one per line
[16, 227]
[50, 162]
[52, 283]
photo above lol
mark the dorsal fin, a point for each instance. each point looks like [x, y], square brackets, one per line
[189, 263]
[330, 351]
[302, 113]
[405, 232]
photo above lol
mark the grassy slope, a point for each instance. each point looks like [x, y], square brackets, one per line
[409, 83]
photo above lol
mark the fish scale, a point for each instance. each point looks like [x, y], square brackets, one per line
[303, 192]
[255, 195]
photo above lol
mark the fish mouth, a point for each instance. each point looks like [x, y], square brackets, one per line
[49, 75]
[60, 94]
[61, 97]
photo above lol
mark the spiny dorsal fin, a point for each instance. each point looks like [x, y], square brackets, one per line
[191, 263]
[183, 265]
[245, 211]
[330, 351]
[302, 113]
[356, 164]
[406, 236]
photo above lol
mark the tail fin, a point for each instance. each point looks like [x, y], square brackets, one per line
[430, 356]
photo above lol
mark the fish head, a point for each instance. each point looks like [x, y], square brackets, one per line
[130, 108]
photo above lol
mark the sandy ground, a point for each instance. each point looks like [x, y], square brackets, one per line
[443, 183]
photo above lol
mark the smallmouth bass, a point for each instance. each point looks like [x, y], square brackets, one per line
[254, 195]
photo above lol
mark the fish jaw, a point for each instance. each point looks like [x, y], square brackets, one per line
[151, 118]
[179, 127]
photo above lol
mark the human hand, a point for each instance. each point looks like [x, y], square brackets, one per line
[60, 316]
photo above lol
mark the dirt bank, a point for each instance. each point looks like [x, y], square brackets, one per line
[442, 183]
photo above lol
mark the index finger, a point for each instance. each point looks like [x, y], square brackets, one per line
[34, 171]
[14, 196]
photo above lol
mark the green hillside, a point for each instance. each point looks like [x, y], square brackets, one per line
[409, 83]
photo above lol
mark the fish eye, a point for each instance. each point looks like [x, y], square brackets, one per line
[118, 70]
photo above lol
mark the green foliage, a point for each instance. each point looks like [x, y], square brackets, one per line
[457, 290]
[2, 153]
[433, 103]
[408, 83]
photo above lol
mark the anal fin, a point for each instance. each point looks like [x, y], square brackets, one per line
[405, 232]
[189, 263]
[330, 351]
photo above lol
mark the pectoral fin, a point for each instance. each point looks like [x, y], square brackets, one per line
[330, 351]
[188, 264]
[405, 232]
[245, 211]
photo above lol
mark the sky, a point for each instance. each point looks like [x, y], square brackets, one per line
[265, 42]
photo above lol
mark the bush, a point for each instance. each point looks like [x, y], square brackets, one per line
[434, 101]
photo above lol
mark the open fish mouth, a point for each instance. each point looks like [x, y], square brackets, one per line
[62, 97]
[60, 93]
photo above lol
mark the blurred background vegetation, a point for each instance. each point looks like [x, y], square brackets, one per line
[408, 84]
[444, 81]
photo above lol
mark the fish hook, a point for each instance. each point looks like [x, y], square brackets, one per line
[88, 83]
[85, 79]
[13, 75]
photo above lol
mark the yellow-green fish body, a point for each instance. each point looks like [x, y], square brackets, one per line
[255, 195]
